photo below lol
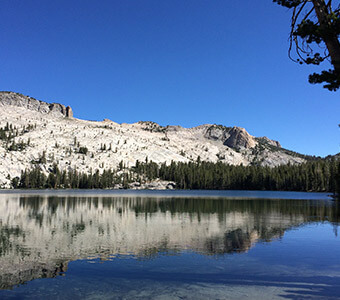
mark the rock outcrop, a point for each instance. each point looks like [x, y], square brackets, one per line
[240, 138]
[69, 112]
[233, 137]
[151, 126]
[268, 141]
[19, 100]
[153, 185]
[217, 132]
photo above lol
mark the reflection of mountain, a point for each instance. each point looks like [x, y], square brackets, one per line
[39, 235]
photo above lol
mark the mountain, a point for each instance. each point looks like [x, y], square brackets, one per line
[34, 132]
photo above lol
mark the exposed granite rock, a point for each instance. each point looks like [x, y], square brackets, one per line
[266, 140]
[233, 137]
[173, 128]
[240, 138]
[153, 185]
[19, 100]
[217, 132]
[151, 126]
[69, 112]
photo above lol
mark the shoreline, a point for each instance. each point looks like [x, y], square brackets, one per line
[226, 194]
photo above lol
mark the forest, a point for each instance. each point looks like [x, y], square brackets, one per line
[322, 175]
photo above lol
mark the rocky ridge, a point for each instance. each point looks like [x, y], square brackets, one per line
[45, 134]
[19, 100]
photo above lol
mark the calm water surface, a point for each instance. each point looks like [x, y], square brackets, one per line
[168, 245]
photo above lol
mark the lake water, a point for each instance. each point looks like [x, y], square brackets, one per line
[168, 245]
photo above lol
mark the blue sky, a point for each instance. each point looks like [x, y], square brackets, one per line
[180, 62]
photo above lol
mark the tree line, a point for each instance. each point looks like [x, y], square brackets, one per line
[73, 179]
[321, 175]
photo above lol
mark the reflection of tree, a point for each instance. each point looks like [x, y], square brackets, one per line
[6, 235]
[314, 210]
[40, 233]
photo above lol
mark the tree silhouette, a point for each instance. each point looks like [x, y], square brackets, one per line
[314, 37]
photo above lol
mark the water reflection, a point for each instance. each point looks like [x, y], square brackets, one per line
[39, 235]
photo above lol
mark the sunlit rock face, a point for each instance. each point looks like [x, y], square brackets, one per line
[40, 235]
[240, 138]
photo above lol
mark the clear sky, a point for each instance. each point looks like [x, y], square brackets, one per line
[178, 62]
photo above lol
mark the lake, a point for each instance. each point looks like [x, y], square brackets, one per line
[168, 245]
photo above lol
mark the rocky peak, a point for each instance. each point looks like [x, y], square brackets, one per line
[239, 138]
[19, 100]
